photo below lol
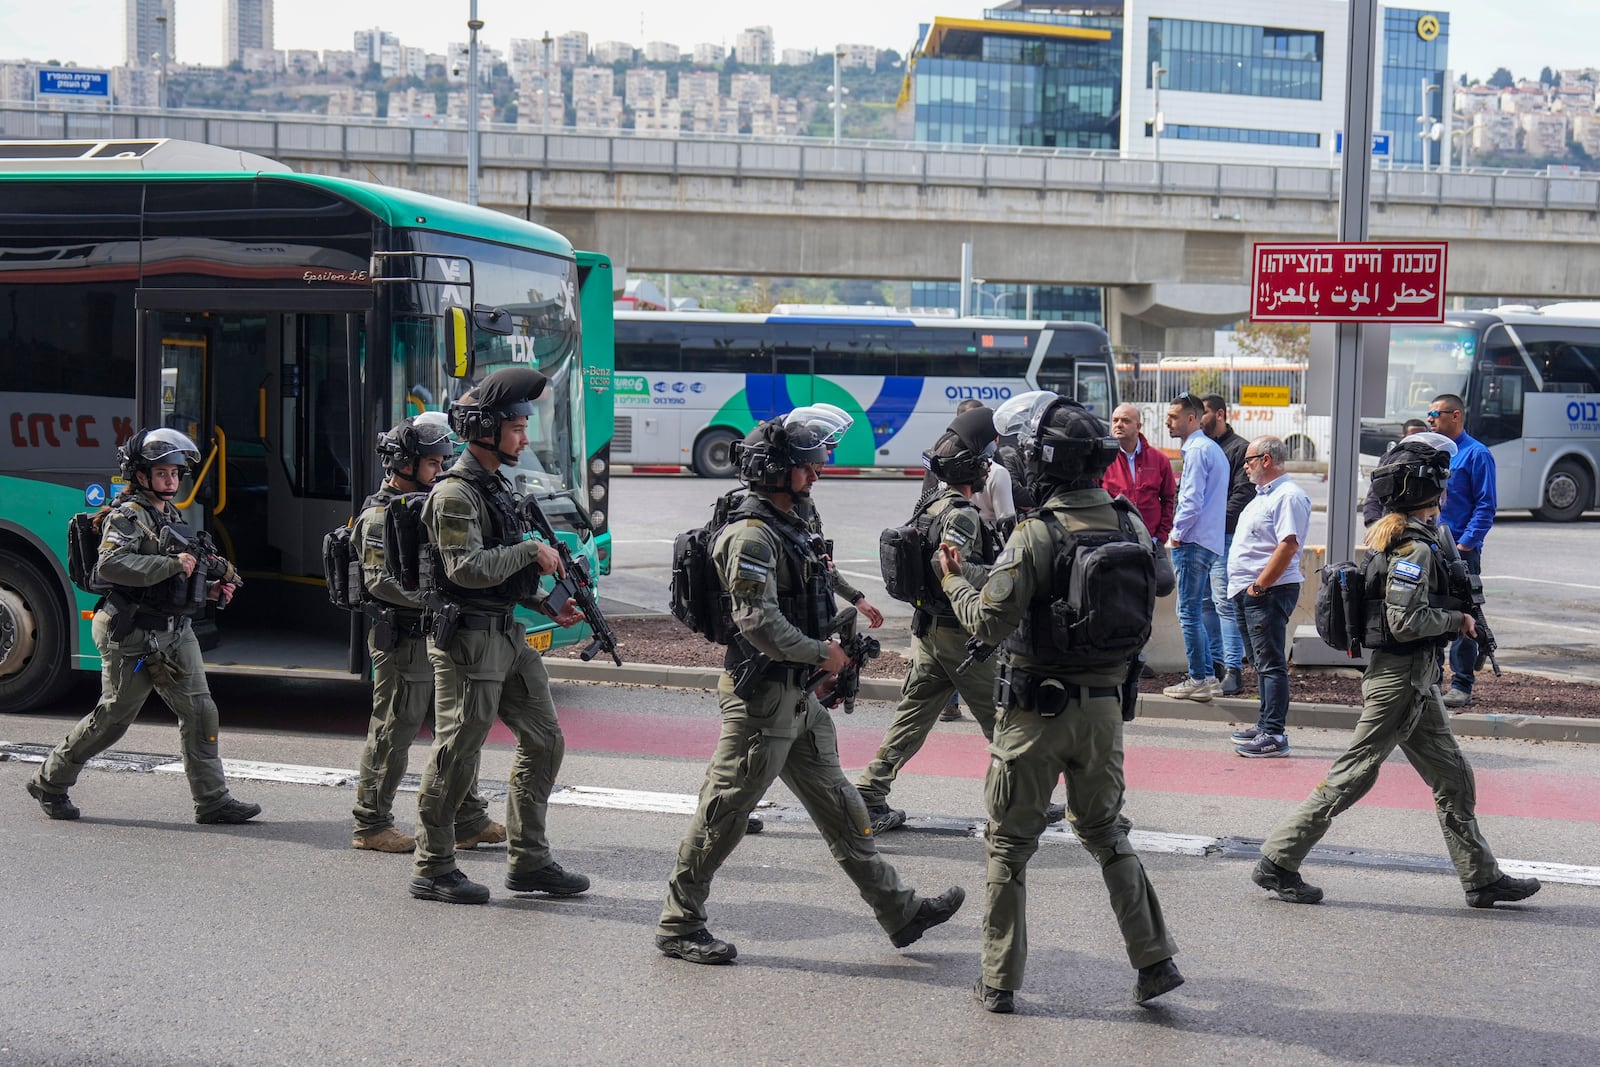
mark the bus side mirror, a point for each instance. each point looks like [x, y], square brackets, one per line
[457, 344]
[491, 319]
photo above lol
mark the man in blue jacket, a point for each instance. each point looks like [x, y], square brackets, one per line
[1468, 509]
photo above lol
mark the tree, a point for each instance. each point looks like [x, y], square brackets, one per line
[1273, 340]
[1501, 79]
[1547, 77]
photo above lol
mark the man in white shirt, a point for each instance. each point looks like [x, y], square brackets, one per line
[1264, 580]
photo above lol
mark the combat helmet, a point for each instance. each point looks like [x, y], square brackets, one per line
[962, 454]
[508, 393]
[151, 448]
[401, 447]
[1061, 443]
[775, 447]
[1413, 473]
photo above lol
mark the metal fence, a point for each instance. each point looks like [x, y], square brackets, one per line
[799, 159]
[1263, 396]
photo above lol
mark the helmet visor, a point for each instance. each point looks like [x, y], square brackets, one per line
[1020, 414]
[812, 430]
[166, 445]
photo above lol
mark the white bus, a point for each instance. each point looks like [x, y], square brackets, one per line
[689, 384]
[1531, 381]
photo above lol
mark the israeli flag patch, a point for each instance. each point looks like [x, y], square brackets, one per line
[1406, 571]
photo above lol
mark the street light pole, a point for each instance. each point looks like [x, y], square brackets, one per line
[544, 70]
[474, 24]
[838, 95]
[1156, 71]
[1425, 122]
[161, 85]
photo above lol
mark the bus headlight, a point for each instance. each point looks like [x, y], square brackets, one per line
[597, 518]
[597, 466]
[597, 492]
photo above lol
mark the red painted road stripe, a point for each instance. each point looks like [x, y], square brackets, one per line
[1194, 772]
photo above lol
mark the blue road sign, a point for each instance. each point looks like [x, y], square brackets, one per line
[1382, 143]
[94, 495]
[56, 82]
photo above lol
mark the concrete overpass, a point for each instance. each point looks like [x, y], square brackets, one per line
[1170, 241]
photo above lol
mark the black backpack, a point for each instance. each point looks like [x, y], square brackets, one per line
[341, 566]
[1340, 611]
[84, 532]
[1103, 591]
[697, 599]
[904, 554]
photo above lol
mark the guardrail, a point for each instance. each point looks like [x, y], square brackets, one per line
[983, 167]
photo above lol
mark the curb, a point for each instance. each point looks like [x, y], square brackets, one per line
[1151, 705]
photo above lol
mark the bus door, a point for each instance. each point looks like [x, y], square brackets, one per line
[268, 385]
[1092, 388]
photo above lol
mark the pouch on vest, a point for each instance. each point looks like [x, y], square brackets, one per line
[403, 538]
[83, 553]
[342, 568]
[1340, 612]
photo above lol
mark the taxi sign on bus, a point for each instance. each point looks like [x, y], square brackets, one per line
[1348, 281]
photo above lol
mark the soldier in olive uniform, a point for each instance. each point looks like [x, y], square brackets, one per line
[413, 454]
[960, 459]
[768, 560]
[1059, 712]
[143, 632]
[1410, 617]
[486, 562]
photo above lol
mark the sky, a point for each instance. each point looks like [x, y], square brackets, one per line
[1484, 34]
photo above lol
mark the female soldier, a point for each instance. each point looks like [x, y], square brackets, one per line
[1409, 616]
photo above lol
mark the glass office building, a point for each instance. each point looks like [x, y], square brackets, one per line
[1416, 47]
[1219, 57]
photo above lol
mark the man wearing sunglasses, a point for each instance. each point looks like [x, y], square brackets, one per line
[1468, 509]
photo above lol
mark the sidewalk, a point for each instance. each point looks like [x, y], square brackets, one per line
[1151, 705]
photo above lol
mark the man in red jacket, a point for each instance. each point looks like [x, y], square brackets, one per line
[1144, 475]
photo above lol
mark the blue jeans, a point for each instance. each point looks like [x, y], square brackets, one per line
[1464, 650]
[1266, 619]
[1222, 615]
[1192, 564]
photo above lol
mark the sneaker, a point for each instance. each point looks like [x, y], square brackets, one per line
[930, 913]
[493, 834]
[698, 947]
[951, 713]
[1265, 746]
[1502, 889]
[452, 888]
[232, 813]
[884, 818]
[999, 1001]
[548, 879]
[1156, 979]
[1190, 689]
[1457, 698]
[754, 824]
[1054, 813]
[1232, 682]
[1287, 884]
[55, 805]
[386, 840]
[1245, 736]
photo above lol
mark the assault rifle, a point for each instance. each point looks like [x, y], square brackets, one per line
[576, 585]
[1468, 588]
[858, 649]
[210, 566]
[977, 652]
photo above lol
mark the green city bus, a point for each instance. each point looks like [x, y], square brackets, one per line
[281, 320]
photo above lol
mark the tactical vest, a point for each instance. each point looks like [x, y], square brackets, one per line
[503, 526]
[177, 595]
[809, 603]
[1097, 611]
[1375, 575]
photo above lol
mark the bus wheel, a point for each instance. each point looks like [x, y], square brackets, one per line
[713, 454]
[1301, 448]
[34, 646]
[1568, 492]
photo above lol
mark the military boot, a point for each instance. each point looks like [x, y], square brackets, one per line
[698, 947]
[1287, 884]
[451, 888]
[930, 913]
[493, 834]
[999, 1001]
[1156, 979]
[232, 813]
[55, 805]
[1503, 889]
[386, 840]
[1054, 813]
[548, 879]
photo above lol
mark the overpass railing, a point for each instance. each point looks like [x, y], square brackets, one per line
[983, 167]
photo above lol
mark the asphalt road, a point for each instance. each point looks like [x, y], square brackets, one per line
[136, 937]
[1540, 579]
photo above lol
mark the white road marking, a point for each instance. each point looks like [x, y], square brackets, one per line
[1540, 581]
[295, 774]
[644, 541]
[877, 578]
[1553, 872]
[626, 799]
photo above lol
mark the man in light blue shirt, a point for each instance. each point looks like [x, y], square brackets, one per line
[1264, 580]
[1198, 534]
[1468, 509]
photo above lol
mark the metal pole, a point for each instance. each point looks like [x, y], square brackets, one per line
[1447, 107]
[1028, 305]
[838, 99]
[1155, 107]
[965, 303]
[544, 72]
[1355, 185]
[161, 86]
[474, 24]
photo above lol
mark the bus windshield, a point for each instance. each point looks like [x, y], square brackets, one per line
[1425, 361]
[540, 293]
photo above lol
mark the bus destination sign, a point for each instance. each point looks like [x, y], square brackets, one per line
[1348, 281]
